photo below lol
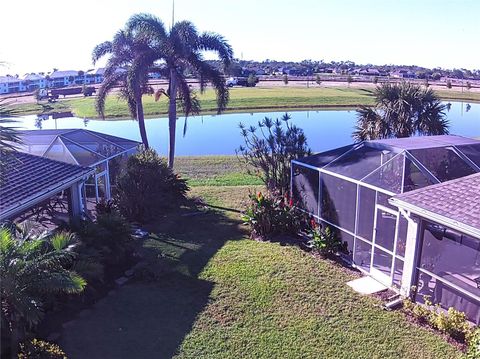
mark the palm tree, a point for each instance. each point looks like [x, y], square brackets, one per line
[32, 269]
[127, 66]
[401, 110]
[9, 135]
[177, 52]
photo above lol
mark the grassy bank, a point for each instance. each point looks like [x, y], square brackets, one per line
[241, 100]
[218, 294]
[214, 171]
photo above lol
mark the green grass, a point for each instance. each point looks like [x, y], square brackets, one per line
[214, 171]
[241, 100]
[219, 294]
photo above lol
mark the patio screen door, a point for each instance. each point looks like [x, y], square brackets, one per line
[384, 234]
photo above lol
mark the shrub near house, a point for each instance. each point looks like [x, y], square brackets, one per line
[146, 187]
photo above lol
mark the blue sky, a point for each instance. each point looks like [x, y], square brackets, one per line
[39, 35]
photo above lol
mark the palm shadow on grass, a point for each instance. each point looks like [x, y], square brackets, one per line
[150, 319]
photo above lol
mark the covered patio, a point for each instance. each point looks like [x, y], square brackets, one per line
[99, 151]
[39, 189]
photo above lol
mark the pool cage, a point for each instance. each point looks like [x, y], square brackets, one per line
[85, 148]
[348, 189]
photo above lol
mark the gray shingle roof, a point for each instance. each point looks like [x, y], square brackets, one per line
[457, 201]
[26, 177]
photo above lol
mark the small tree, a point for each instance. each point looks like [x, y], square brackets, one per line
[426, 82]
[349, 80]
[468, 85]
[285, 79]
[147, 187]
[449, 84]
[375, 80]
[252, 80]
[270, 153]
[318, 80]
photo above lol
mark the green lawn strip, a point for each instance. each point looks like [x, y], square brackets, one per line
[241, 100]
[214, 171]
[221, 295]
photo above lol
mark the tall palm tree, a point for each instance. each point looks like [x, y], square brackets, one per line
[177, 52]
[31, 269]
[127, 66]
[401, 110]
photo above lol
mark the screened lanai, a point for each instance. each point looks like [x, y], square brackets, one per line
[85, 148]
[348, 189]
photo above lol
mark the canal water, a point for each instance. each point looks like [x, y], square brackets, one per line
[220, 134]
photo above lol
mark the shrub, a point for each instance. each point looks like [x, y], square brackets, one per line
[323, 240]
[451, 322]
[270, 215]
[270, 154]
[252, 80]
[146, 187]
[285, 79]
[109, 235]
[473, 351]
[468, 85]
[39, 349]
[449, 84]
[318, 80]
[375, 80]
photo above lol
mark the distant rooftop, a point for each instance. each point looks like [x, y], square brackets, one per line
[59, 74]
[75, 146]
[26, 178]
[33, 77]
[456, 202]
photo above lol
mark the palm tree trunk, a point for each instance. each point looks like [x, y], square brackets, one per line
[172, 118]
[15, 337]
[141, 121]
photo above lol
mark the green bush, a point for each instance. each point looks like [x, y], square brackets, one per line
[323, 240]
[451, 322]
[270, 215]
[146, 187]
[110, 236]
[473, 351]
[39, 349]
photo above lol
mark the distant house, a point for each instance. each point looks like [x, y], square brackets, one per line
[33, 82]
[63, 78]
[11, 84]
[403, 74]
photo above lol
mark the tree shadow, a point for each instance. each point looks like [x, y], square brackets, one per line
[149, 318]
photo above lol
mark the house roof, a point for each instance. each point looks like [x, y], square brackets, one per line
[33, 77]
[77, 146]
[59, 74]
[421, 142]
[7, 79]
[27, 180]
[455, 203]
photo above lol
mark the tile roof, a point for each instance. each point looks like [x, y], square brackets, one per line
[27, 177]
[457, 201]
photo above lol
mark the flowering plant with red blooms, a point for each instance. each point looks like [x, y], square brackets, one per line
[273, 214]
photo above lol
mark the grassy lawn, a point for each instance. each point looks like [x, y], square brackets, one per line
[217, 294]
[214, 171]
[241, 100]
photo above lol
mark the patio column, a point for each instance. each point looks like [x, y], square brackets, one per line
[412, 250]
[75, 202]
